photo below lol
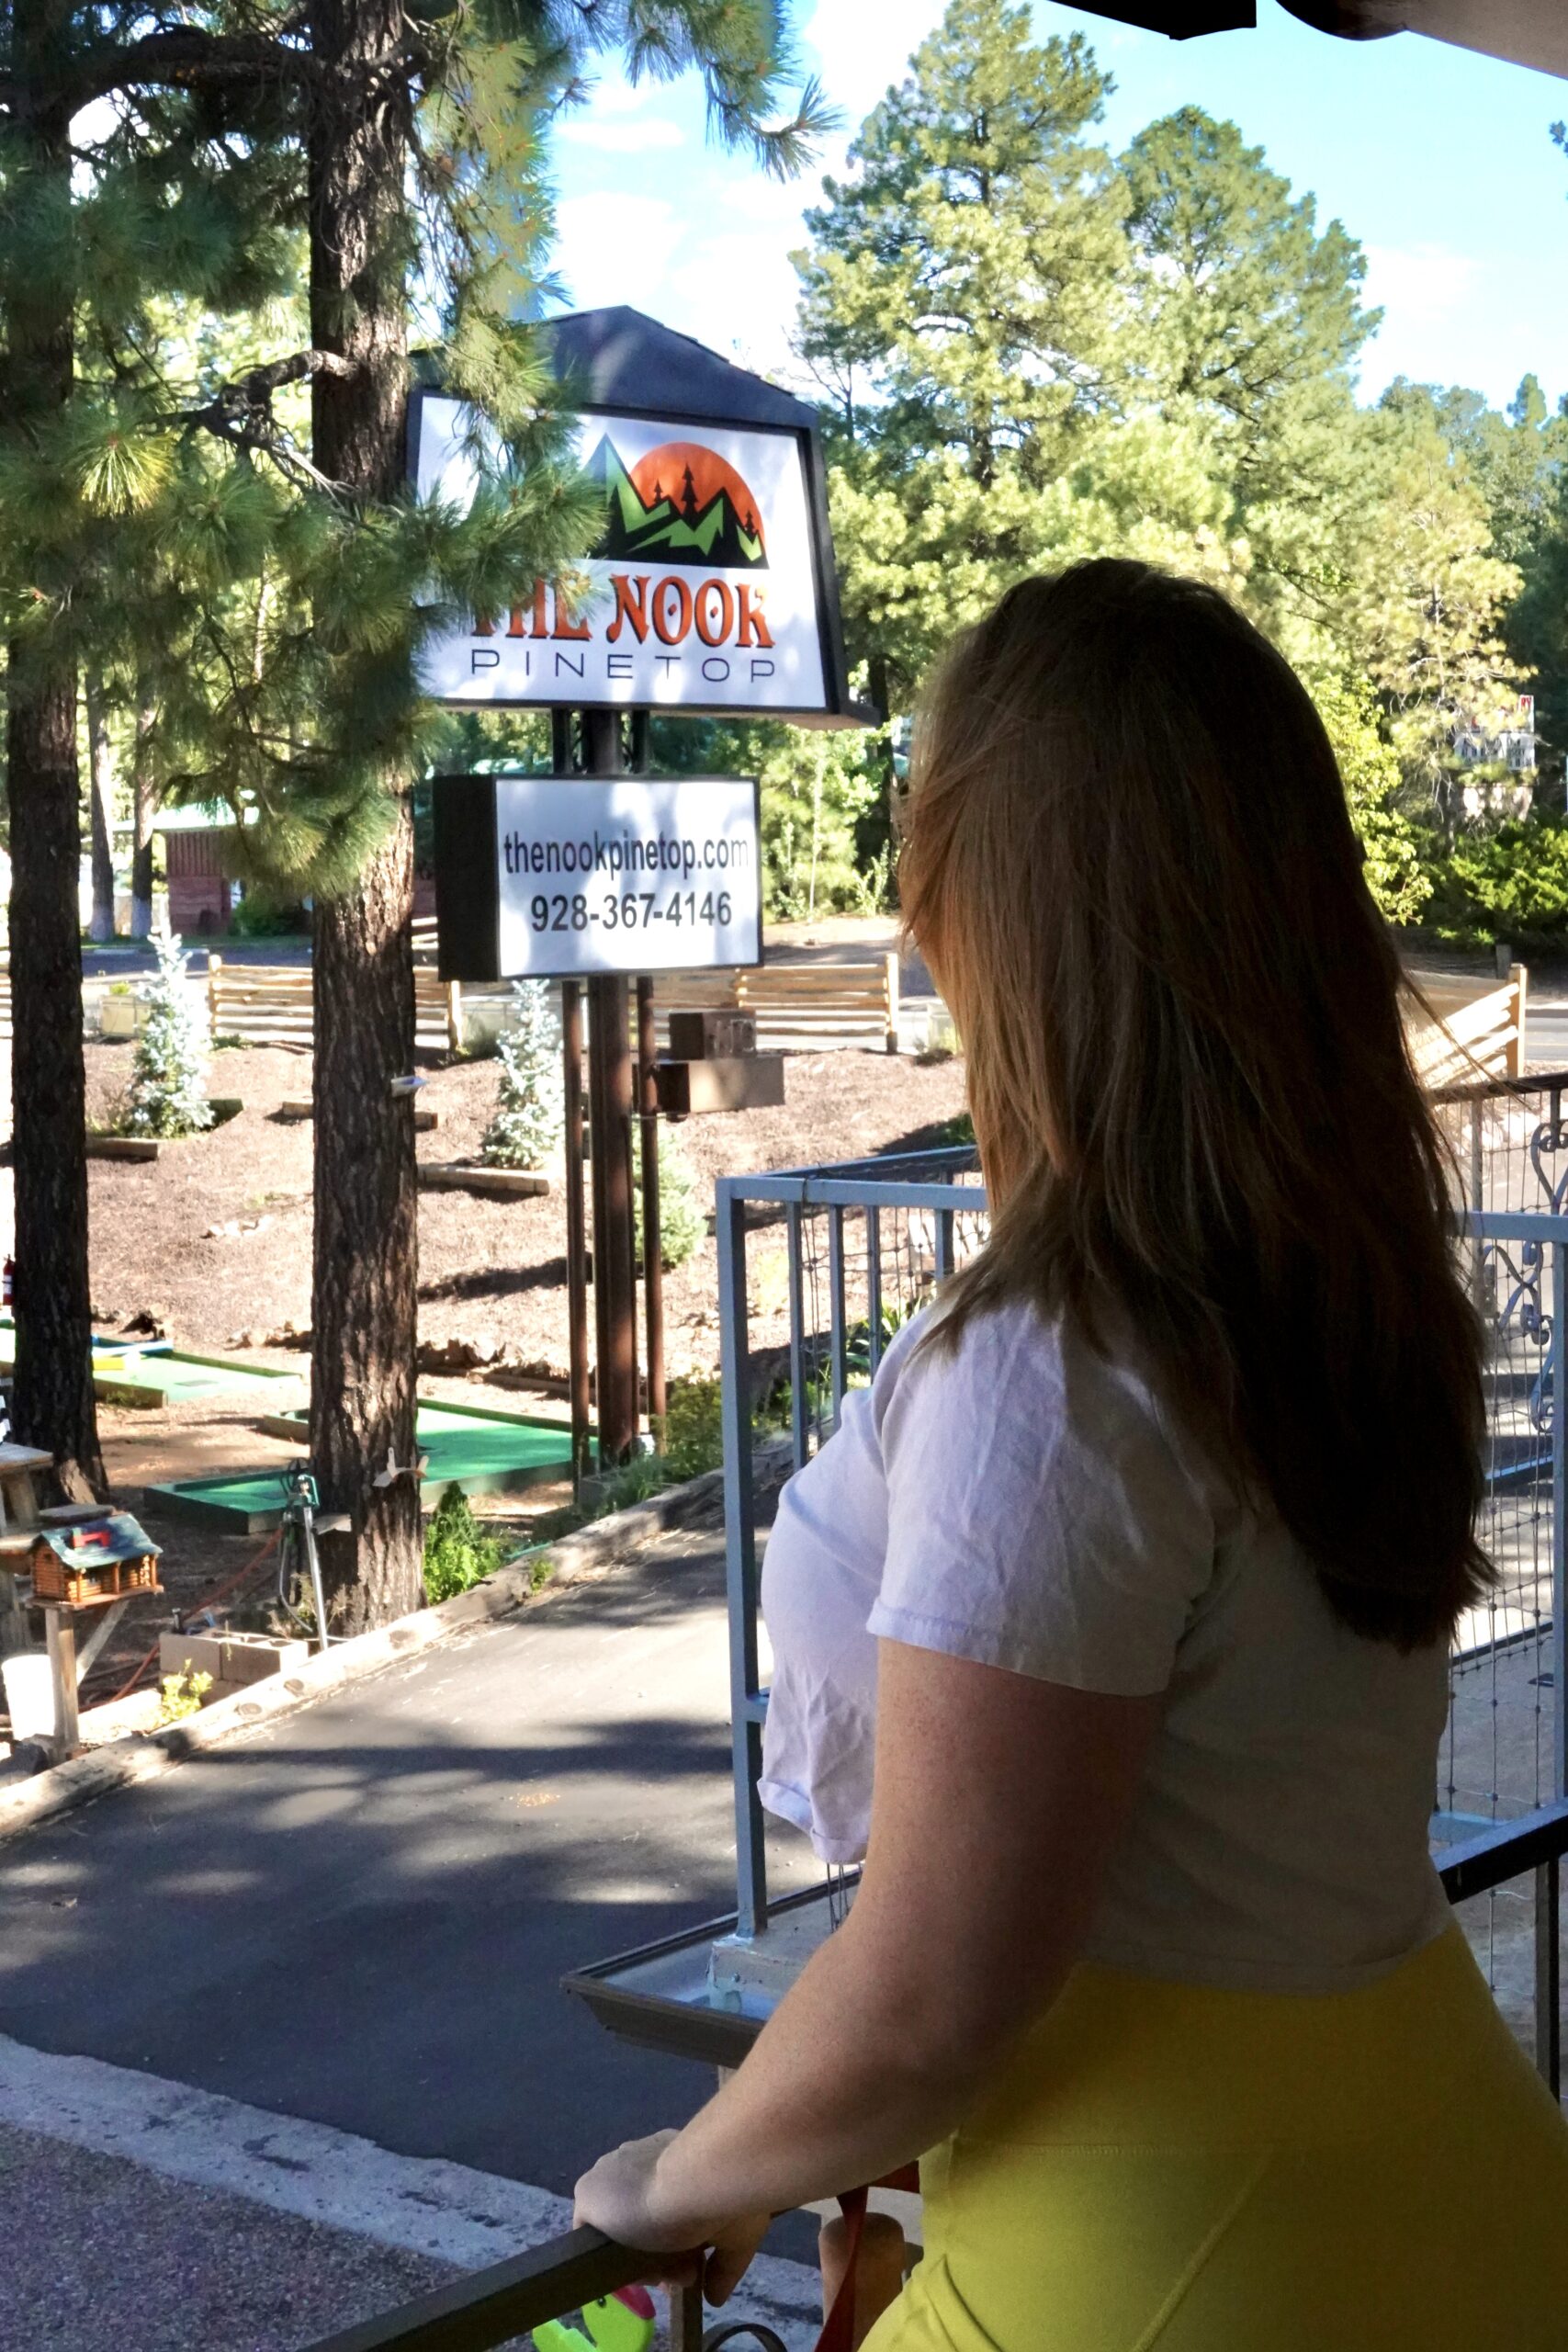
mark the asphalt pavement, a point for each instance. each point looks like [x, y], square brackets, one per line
[362, 1916]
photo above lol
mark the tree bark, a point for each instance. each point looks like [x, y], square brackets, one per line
[144, 808]
[365, 1297]
[100, 809]
[52, 1402]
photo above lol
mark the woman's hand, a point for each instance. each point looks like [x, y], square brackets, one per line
[623, 2194]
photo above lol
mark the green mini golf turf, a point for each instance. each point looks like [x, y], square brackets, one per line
[151, 1370]
[483, 1453]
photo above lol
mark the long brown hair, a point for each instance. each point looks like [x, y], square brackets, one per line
[1128, 859]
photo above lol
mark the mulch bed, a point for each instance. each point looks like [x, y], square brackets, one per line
[212, 1244]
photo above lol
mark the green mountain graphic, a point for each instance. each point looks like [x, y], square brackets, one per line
[669, 532]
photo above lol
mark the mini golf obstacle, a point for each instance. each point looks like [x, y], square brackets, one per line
[484, 1453]
[154, 1372]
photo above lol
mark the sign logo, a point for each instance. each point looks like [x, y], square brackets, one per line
[680, 504]
[703, 593]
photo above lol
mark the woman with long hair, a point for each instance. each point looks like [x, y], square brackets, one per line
[1111, 1627]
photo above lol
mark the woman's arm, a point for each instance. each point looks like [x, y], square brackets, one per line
[998, 1801]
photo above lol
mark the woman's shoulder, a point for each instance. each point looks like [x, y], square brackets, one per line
[1013, 1356]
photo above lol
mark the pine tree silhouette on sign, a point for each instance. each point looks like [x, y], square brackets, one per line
[657, 494]
[749, 524]
[688, 498]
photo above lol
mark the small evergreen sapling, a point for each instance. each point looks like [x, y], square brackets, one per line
[683, 1225]
[168, 1078]
[530, 1117]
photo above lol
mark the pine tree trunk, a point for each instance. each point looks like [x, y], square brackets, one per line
[100, 806]
[52, 1402]
[144, 808]
[365, 1303]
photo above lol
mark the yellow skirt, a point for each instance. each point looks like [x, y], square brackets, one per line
[1174, 2168]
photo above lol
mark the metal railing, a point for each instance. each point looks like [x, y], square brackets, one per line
[864, 1242]
[835, 1256]
[493, 2307]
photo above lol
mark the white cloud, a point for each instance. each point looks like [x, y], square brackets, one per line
[609, 247]
[861, 46]
[1419, 284]
[613, 96]
[616, 136]
[737, 295]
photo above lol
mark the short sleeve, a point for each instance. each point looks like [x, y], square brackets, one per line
[1040, 1517]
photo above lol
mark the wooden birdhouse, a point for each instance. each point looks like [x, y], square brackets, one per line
[99, 1559]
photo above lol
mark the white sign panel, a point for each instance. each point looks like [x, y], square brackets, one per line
[626, 874]
[703, 593]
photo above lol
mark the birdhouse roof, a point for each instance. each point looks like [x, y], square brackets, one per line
[115, 1536]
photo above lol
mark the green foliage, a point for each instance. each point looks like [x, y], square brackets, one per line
[180, 1696]
[168, 1079]
[683, 1225]
[1033, 351]
[1370, 765]
[458, 1553]
[530, 1117]
[824, 807]
[694, 1433]
[1510, 885]
[258, 620]
[255, 916]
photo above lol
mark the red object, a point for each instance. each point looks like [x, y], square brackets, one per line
[7, 1281]
[635, 2299]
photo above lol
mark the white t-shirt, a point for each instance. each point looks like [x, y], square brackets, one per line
[1024, 1502]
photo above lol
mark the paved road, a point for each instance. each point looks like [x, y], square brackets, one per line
[1546, 1034]
[361, 1917]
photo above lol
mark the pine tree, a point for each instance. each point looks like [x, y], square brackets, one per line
[530, 1117]
[965, 305]
[404, 149]
[168, 1078]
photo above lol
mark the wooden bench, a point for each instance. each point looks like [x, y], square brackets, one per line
[797, 1007]
[274, 1004]
[1479, 1030]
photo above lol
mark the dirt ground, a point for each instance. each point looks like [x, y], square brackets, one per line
[212, 1241]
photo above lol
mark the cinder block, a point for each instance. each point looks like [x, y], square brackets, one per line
[230, 1659]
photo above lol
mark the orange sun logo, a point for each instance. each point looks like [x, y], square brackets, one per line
[691, 477]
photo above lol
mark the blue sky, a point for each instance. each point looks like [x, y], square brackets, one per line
[1439, 161]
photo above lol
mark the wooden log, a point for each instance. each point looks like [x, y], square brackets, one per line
[494, 1184]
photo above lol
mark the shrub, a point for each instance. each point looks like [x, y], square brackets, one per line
[694, 1437]
[683, 1227]
[255, 916]
[530, 1116]
[180, 1695]
[458, 1553]
[1509, 885]
[168, 1078]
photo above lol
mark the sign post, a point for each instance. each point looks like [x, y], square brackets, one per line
[711, 592]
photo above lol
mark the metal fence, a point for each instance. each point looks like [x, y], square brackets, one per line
[817, 1267]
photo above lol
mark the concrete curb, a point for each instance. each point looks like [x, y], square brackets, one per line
[583, 1556]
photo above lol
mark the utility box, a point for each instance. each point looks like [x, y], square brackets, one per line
[720, 1033]
[732, 1082]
